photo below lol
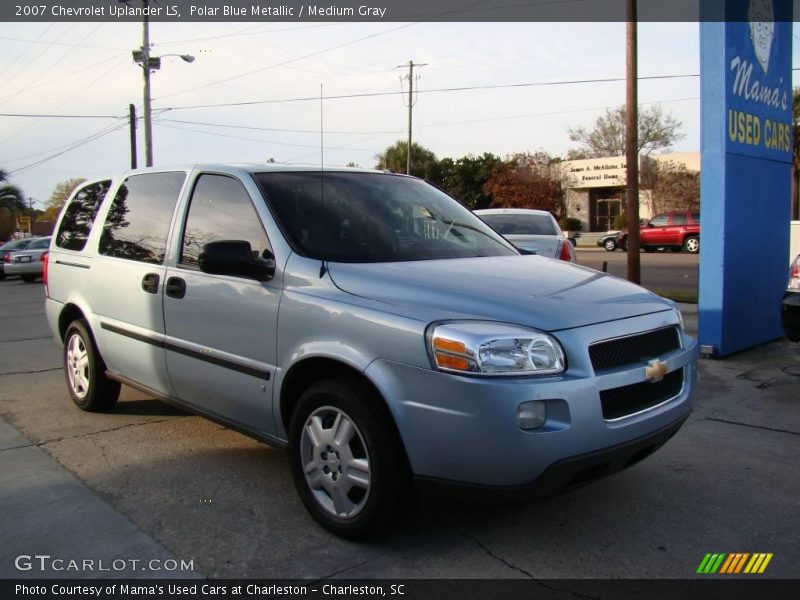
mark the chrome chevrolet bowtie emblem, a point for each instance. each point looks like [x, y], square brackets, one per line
[655, 370]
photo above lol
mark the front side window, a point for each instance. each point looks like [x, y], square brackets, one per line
[79, 216]
[375, 217]
[39, 244]
[138, 220]
[221, 209]
[660, 221]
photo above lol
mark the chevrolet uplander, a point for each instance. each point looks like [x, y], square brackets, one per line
[369, 322]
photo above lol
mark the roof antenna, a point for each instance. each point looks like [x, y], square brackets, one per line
[323, 268]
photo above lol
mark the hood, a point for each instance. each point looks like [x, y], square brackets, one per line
[528, 290]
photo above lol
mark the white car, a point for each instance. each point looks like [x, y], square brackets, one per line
[533, 231]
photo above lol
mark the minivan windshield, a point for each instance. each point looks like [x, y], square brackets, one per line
[375, 217]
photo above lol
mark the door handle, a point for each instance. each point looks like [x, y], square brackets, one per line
[150, 283]
[176, 287]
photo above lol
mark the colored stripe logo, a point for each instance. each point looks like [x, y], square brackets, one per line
[734, 563]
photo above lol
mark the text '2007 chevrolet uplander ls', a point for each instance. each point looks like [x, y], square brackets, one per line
[368, 321]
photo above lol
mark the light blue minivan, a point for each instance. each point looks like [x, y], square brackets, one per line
[367, 321]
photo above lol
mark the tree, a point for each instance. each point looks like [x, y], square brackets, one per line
[657, 131]
[423, 162]
[527, 181]
[671, 186]
[58, 198]
[12, 203]
[466, 177]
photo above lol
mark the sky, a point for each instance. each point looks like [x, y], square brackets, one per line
[87, 69]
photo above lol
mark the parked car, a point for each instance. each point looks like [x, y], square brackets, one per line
[790, 305]
[10, 246]
[610, 241]
[676, 230]
[27, 263]
[534, 231]
[370, 323]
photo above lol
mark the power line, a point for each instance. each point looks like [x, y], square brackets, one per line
[59, 147]
[330, 49]
[429, 91]
[49, 116]
[262, 141]
[275, 129]
[73, 147]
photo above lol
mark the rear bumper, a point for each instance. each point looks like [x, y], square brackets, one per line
[790, 315]
[565, 474]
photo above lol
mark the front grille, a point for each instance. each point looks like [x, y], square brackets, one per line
[633, 349]
[627, 400]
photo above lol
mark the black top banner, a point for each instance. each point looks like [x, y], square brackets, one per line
[355, 10]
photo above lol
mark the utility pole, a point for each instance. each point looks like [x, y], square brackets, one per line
[148, 123]
[632, 147]
[410, 77]
[30, 218]
[132, 123]
[149, 63]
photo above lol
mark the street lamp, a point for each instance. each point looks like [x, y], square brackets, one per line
[150, 63]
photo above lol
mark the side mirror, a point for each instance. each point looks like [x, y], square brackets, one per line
[235, 257]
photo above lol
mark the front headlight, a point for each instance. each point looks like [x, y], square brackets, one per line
[487, 348]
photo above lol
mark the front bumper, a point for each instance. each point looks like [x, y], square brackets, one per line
[568, 473]
[464, 429]
[790, 315]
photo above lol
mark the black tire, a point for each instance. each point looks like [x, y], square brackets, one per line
[648, 249]
[2, 276]
[88, 386]
[29, 278]
[692, 244]
[610, 245]
[387, 495]
[675, 248]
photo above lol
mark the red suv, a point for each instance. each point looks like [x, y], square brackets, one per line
[676, 230]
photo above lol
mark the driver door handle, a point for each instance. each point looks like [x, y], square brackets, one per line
[176, 287]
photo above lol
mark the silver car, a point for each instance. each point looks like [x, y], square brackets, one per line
[26, 263]
[530, 230]
[370, 323]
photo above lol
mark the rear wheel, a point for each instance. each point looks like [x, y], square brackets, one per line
[692, 244]
[648, 249]
[88, 385]
[28, 278]
[347, 463]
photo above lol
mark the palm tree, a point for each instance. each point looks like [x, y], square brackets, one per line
[10, 195]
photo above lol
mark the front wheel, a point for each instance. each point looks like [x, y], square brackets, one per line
[88, 385]
[692, 244]
[610, 245]
[347, 462]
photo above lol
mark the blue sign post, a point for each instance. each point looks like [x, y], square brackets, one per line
[746, 89]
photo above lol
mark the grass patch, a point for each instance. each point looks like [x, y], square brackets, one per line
[686, 296]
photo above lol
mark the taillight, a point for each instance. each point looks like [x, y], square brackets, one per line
[794, 275]
[7, 257]
[45, 261]
[566, 251]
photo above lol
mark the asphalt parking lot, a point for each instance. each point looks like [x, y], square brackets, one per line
[150, 481]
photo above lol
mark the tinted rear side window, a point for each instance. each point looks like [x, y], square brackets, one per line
[520, 224]
[39, 244]
[79, 216]
[138, 220]
[680, 219]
